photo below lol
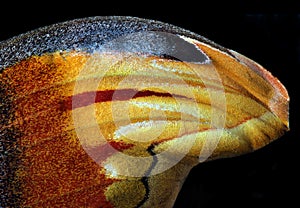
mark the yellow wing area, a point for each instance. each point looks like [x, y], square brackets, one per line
[62, 158]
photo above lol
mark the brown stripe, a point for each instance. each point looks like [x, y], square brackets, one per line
[88, 98]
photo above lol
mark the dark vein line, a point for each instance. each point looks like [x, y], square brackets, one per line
[147, 175]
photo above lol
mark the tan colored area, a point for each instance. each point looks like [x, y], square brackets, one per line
[126, 193]
[58, 171]
[164, 187]
[253, 78]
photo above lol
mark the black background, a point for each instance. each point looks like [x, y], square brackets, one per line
[266, 32]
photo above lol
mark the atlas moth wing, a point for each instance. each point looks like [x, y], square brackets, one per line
[47, 163]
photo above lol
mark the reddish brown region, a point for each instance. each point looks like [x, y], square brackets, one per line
[54, 169]
[88, 98]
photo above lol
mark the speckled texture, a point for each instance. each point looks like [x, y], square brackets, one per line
[82, 34]
[45, 162]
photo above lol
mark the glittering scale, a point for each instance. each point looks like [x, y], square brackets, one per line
[115, 111]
